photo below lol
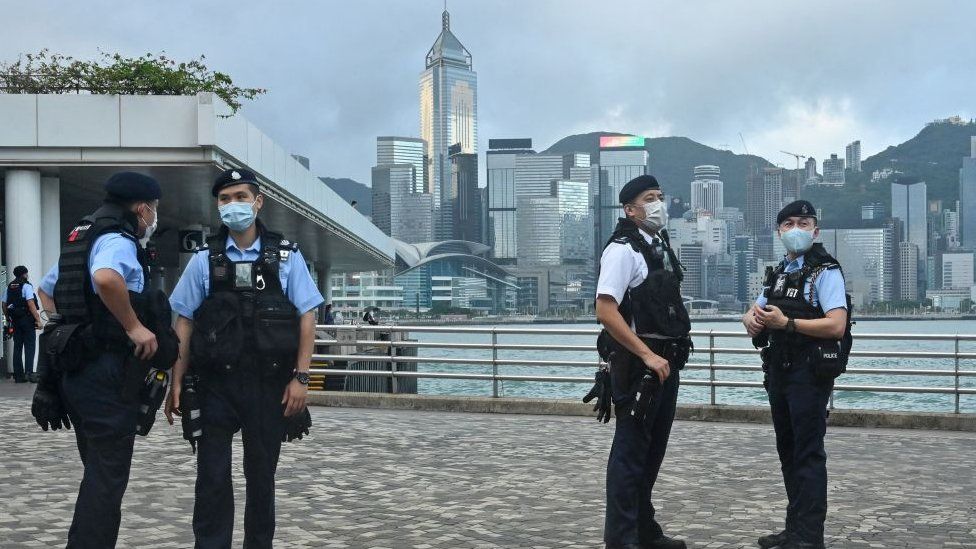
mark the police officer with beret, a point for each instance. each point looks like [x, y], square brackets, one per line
[94, 297]
[246, 305]
[646, 343]
[802, 313]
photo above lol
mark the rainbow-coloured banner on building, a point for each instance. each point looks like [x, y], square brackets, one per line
[616, 141]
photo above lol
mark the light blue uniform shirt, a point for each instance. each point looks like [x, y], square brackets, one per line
[26, 290]
[194, 285]
[828, 288]
[111, 251]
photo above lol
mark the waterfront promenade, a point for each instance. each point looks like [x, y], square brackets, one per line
[392, 479]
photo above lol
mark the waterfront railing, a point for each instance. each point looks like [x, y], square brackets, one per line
[399, 356]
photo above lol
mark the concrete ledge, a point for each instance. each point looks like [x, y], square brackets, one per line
[695, 412]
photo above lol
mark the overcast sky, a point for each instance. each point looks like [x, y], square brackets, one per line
[807, 77]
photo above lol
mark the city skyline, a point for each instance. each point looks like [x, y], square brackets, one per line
[818, 103]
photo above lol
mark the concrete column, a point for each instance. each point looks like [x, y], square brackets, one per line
[22, 222]
[325, 283]
[51, 231]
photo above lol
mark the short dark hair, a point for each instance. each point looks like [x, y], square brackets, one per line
[255, 190]
[20, 271]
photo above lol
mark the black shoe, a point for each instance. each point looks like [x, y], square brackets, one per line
[773, 540]
[801, 545]
[664, 542]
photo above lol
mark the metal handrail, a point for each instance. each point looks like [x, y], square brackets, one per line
[704, 359]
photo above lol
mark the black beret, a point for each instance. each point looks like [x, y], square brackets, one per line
[234, 176]
[637, 185]
[132, 186]
[798, 208]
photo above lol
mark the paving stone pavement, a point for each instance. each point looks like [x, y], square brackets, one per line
[397, 479]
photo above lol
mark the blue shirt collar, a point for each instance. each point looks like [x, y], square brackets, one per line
[254, 247]
[795, 265]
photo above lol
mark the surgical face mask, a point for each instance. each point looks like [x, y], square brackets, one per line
[655, 216]
[150, 229]
[238, 216]
[797, 241]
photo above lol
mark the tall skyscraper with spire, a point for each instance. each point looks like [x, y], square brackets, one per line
[448, 116]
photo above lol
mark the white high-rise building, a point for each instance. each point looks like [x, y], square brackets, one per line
[707, 193]
[908, 271]
[448, 116]
[957, 270]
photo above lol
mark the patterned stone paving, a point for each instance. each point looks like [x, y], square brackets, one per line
[392, 479]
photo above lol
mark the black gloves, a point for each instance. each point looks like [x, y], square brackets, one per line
[48, 410]
[297, 426]
[601, 392]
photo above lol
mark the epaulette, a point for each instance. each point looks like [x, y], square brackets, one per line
[286, 248]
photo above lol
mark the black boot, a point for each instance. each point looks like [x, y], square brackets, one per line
[773, 540]
[664, 542]
[801, 545]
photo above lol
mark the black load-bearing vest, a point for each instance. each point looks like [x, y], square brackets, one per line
[787, 291]
[654, 306]
[16, 303]
[74, 293]
[246, 321]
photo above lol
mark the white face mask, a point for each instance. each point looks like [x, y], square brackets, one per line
[655, 216]
[150, 229]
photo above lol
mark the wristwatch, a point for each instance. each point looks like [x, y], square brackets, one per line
[302, 377]
[790, 326]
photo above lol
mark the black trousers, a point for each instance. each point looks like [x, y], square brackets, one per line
[798, 401]
[635, 458]
[229, 402]
[25, 343]
[105, 429]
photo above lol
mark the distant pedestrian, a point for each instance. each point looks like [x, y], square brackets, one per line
[329, 317]
[20, 309]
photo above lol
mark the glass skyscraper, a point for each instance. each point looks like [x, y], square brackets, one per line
[967, 198]
[622, 158]
[909, 203]
[448, 116]
[501, 228]
[404, 150]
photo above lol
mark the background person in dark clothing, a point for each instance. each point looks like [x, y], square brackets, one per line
[20, 309]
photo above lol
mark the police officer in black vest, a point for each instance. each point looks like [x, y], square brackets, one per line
[645, 341]
[20, 309]
[101, 332]
[246, 305]
[803, 316]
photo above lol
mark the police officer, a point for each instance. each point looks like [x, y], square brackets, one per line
[803, 312]
[93, 290]
[639, 304]
[246, 305]
[20, 309]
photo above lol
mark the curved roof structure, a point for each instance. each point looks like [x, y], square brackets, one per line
[414, 254]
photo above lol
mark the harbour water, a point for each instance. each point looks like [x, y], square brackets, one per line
[724, 395]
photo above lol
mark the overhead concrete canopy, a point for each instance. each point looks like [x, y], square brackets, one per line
[184, 142]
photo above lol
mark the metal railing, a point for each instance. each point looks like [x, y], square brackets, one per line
[704, 358]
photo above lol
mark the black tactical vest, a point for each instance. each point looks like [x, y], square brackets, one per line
[655, 306]
[246, 321]
[16, 304]
[74, 295]
[786, 291]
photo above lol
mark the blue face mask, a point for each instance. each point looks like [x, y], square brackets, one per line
[238, 216]
[797, 241]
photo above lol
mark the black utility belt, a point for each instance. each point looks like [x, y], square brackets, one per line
[675, 350]
[823, 356]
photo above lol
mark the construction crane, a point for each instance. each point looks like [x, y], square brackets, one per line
[797, 156]
[743, 143]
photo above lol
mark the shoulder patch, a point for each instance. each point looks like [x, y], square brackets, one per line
[292, 246]
[79, 232]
